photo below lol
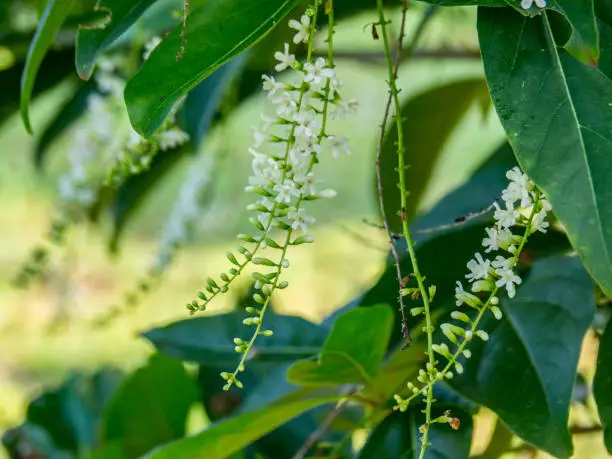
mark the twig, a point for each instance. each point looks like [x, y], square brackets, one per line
[321, 430]
[457, 223]
[181, 52]
[378, 58]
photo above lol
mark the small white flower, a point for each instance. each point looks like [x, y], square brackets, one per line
[508, 279]
[526, 4]
[479, 268]
[303, 28]
[539, 222]
[286, 191]
[506, 217]
[271, 86]
[299, 219]
[504, 263]
[285, 59]
[345, 108]
[463, 297]
[259, 137]
[496, 239]
[172, 138]
[286, 105]
[308, 125]
[317, 73]
[338, 145]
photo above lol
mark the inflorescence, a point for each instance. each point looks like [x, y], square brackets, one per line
[523, 207]
[286, 147]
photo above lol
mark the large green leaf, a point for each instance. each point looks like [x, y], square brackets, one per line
[526, 371]
[216, 32]
[556, 115]
[90, 42]
[151, 407]
[602, 384]
[398, 436]
[71, 413]
[221, 440]
[429, 120]
[353, 351]
[202, 102]
[209, 340]
[50, 23]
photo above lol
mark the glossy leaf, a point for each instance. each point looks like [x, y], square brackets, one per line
[532, 354]
[429, 121]
[398, 436]
[151, 407]
[68, 114]
[56, 67]
[90, 42]
[353, 351]
[202, 102]
[224, 438]
[584, 40]
[216, 32]
[209, 340]
[564, 140]
[602, 384]
[50, 23]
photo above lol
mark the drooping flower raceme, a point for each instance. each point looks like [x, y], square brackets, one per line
[523, 207]
[286, 147]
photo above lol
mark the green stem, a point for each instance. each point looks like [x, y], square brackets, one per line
[401, 170]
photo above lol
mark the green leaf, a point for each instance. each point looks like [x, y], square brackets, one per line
[71, 413]
[526, 371]
[202, 102]
[429, 121]
[90, 42]
[216, 32]
[222, 439]
[602, 384]
[151, 407]
[584, 40]
[209, 340]
[353, 351]
[68, 114]
[398, 436]
[55, 13]
[557, 118]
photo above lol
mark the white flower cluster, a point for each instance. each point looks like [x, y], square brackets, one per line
[187, 210]
[286, 148]
[524, 207]
[527, 4]
[92, 133]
